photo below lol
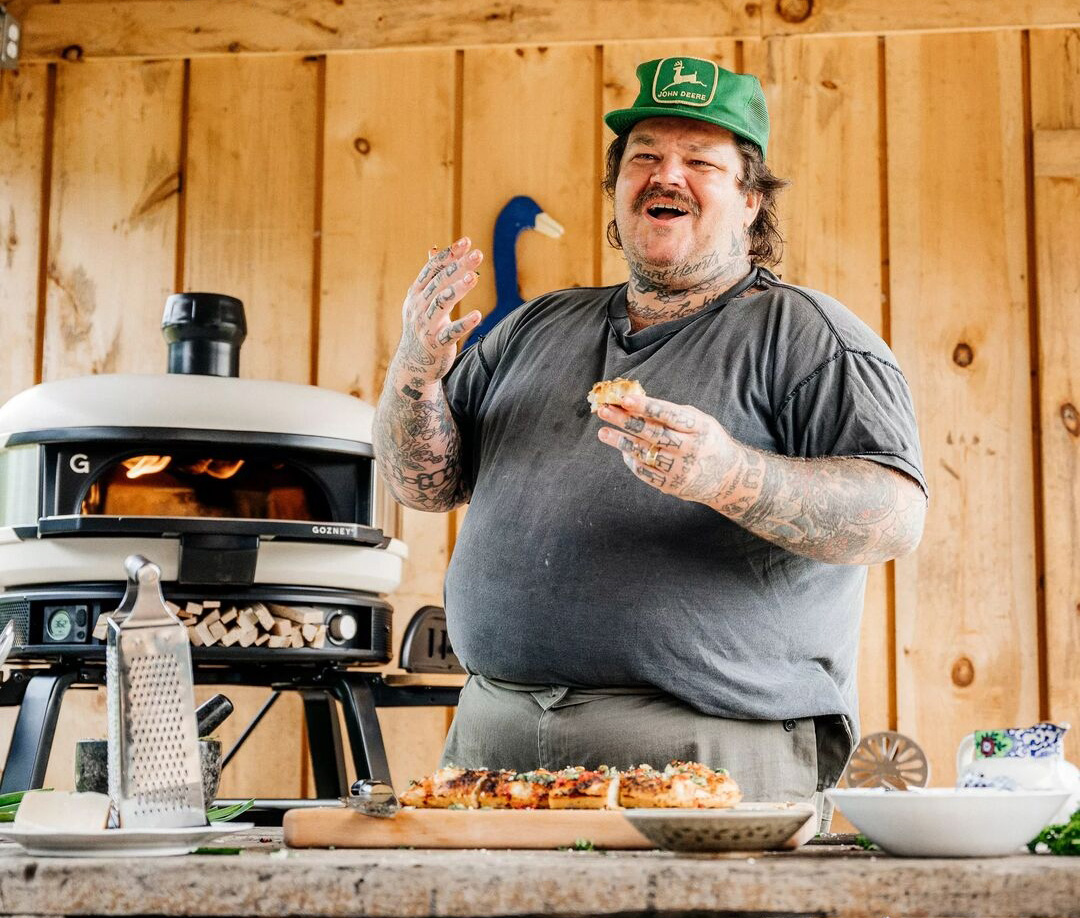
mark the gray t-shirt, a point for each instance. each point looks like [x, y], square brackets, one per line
[569, 570]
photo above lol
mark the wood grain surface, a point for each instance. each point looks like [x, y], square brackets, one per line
[823, 17]
[529, 128]
[345, 828]
[113, 206]
[158, 28]
[22, 168]
[966, 601]
[1055, 117]
[250, 202]
[340, 827]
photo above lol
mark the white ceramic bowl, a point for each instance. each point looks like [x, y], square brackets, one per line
[948, 822]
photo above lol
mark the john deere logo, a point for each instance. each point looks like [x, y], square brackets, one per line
[685, 81]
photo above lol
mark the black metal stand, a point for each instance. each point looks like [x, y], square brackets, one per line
[39, 693]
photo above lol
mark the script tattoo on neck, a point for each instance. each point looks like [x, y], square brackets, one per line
[659, 294]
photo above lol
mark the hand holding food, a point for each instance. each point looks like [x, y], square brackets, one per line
[611, 392]
[675, 448]
[679, 784]
[429, 337]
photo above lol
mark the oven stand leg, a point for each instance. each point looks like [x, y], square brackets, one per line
[35, 726]
[324, 744]
[355, 693]
[260, 714]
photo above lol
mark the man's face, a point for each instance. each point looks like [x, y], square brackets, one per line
[678, 206]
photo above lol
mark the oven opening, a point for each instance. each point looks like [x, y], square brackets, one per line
[194, 484]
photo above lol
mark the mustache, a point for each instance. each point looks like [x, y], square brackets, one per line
[649, 195]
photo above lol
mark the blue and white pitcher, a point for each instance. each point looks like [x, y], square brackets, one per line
[1019, 758]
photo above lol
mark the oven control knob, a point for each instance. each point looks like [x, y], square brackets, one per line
[342, 627]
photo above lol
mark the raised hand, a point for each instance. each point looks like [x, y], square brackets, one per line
[429, 337]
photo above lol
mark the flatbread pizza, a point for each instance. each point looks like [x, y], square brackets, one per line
[680, 784]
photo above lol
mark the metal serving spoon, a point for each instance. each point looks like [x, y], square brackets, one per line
[373, 798]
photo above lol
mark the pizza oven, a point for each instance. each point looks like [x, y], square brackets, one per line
[242, 491]
[260, 501]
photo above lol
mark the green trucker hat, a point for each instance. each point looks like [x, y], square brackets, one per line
[690, 87]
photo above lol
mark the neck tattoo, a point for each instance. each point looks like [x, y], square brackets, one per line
[657, 295]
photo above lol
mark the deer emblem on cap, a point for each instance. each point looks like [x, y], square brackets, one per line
[681, 77]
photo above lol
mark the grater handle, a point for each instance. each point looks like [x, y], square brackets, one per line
[149, 603]
[131, 566]
[135, 565]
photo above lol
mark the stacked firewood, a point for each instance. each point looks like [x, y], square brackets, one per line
[212, 623]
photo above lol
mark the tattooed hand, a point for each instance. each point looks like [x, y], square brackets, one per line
[429, 338]
[841, 510]
[417, 443]
[675, 448]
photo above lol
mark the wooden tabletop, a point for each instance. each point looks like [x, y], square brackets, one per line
[265, 878]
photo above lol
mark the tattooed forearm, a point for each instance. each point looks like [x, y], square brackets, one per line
[417, 444]
[843, 510]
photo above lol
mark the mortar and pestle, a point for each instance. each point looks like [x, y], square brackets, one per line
[92, 755]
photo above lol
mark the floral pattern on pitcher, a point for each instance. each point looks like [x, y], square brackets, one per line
[1040, 741]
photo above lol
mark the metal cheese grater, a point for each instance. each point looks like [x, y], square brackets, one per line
[153, 737]
[112, 682]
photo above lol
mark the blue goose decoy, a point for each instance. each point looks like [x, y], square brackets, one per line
[520, 213]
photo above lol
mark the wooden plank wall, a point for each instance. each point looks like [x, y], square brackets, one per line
[936, 191]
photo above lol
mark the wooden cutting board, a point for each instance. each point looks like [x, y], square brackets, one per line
[340, 827]
[320, 827]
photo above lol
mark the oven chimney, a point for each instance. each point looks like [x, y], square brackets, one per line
[204, 332]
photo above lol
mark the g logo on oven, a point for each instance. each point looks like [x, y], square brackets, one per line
[80, 463]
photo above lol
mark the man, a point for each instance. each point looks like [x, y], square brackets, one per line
[703, 601]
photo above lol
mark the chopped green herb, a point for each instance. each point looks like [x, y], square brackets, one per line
[225, 813]
[1063, 838]
[535, 777]
[863, 842]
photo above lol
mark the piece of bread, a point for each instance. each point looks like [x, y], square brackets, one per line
[516, 790]
[579, 789]
[680, 784]
[612, 391]
[445, 788]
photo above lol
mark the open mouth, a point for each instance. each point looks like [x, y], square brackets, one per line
[666, 213]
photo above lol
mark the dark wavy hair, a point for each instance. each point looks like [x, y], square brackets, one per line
[766, 243]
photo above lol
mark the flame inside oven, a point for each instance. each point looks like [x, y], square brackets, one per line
[192, 484]
[137, 466]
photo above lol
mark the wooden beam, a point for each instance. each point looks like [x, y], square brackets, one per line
[880, 17]
[966, 601]
[137, 29]
[1055, 120]
[197, 28]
